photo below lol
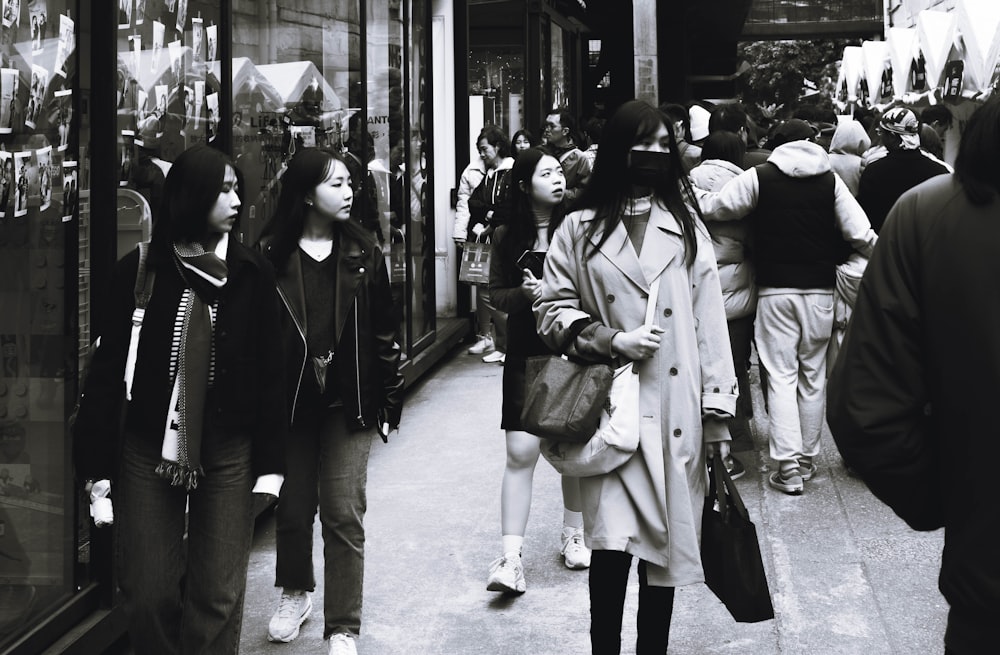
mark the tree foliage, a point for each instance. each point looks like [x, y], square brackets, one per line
[777, 71]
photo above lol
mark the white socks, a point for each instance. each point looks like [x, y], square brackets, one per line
[512, 544]
[572, 520]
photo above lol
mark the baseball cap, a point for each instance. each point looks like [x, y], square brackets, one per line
[794, 129]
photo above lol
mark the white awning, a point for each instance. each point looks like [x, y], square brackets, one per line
[979, 28]
[936, 35]
[902, 51]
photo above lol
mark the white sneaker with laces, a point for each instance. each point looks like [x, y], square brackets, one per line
[343, 644]
[495, 357]
[575, 553]
[483, 346]
[293, 610]
[507, 575]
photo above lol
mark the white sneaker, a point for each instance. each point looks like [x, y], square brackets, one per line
[575, 553]
[483, 346]
[495, 357]
[293, 610]
[507, 575]
[343, 644]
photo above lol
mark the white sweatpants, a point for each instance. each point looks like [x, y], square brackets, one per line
[792, 333]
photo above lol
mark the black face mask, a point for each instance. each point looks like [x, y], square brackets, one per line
[648, 167]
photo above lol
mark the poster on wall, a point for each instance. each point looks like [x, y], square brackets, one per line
[38, 16]
[140, 12]
[124, 14]
[64, 117]
[44, 158]
[6, 180]
[39, 82]
[21, 162]
[12, 12]
[125, 161]
[71, 190]
[8, 99]
[176, 52]
[136, 40]
[199, 102]
[67, 43]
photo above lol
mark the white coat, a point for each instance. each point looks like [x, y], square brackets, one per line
[651, 506]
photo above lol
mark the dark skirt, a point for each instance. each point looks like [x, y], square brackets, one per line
[513, 392]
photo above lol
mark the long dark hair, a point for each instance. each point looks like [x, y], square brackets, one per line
[609, 187]
[522, 234]
[977, 165]
[306, 170]
[191, 189]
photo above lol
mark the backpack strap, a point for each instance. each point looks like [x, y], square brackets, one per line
[143, 290]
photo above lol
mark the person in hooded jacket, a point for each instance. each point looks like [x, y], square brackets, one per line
[722, 160]
[804, 223]
[339, 329]
[850, 141]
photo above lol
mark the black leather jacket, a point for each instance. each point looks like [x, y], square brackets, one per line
[367, 375]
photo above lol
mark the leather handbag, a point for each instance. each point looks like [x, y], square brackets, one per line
[564, 398]
[616, 438]
[730, 552]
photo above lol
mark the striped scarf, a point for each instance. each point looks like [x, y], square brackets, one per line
[192, 356]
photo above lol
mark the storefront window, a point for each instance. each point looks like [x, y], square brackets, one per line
[39, 208]
[496, 74]
[560, 74]
[421, 230]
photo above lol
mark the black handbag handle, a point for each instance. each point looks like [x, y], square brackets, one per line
[721, 486]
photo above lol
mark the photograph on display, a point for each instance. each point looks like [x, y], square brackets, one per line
[158, 32]
[171, 5]
[212, 127]
[11, 12]
[6, 181]
[36, 94]
[140, 12]
[71, 190]
[125, 161]
[161, 90]
[212, 36]
[64, 117]
[197, 38]
[22, 160]
[176, 52]
[182, 10]
[67, 43]
[124, 13]
[9, 79]
[44, 158]
[136, 40]
[38, 16]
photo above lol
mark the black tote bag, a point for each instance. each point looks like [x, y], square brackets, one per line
[730, 552]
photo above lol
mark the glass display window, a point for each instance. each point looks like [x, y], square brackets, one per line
[39, 211]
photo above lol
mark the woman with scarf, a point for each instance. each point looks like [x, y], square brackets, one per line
[339, 328]
[636, 227]
[204, 416]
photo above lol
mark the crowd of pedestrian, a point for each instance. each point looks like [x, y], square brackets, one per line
[273, 369]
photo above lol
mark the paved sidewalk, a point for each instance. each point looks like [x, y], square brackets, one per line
[847, 576]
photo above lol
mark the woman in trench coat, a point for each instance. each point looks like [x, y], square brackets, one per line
[634, 226]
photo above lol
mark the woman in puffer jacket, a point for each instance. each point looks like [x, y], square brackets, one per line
[721, 155]
[849, 142]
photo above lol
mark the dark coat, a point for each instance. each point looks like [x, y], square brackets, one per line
[883, 181]
[911, 401]
[249, 369]
[366, 375]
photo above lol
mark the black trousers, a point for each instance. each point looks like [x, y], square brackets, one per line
[609, 571]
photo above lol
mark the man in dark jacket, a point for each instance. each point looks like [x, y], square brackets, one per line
[883, 181]
[912, 397]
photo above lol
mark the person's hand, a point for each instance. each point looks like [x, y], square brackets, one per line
[531, 285]
[637, 344]
[723, 448]
[460, 243]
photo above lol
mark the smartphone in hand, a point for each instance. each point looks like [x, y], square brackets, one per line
[533, 260]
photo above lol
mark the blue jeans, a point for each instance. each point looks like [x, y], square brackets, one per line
[185, 598]
[328, 469]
